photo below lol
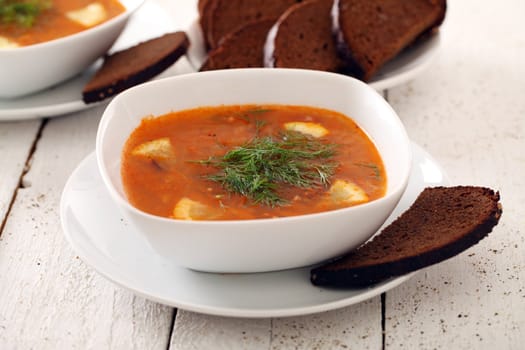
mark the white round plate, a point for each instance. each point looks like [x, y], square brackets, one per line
[399, 70]
[105, 240]
[151, 20]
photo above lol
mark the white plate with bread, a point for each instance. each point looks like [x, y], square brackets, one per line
[382, 43]
[405, 67]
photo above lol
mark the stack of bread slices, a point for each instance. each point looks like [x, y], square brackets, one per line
[355, 37]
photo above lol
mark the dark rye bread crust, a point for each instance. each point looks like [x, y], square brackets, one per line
[441, 223]
[228, 15]
[201, 4]
[124, 69]
[205, 9]
[371, 32]
[302, 38]
[242, 48]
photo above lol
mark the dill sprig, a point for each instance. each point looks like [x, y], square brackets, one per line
[23, 13]
[250, 116]
[374, 167]
[258, 168]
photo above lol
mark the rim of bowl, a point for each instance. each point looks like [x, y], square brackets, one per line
[88, 31]
[120, 198]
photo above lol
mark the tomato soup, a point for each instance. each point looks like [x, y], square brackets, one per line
[250, 161]
[25, 23]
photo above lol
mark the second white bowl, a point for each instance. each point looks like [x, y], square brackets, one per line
[24, 70]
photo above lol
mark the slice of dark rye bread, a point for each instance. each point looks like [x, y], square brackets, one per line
[302, 38]
[135, 65]
[441, 223]
[228, 15]
[205, 9]
[242, 48]
[201, 4]
[371, 32]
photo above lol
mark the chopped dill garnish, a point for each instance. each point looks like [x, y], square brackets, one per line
[23, 13]
[259, 125]
[258, 110]
[260, 167]
[249, 116]
[371, 166]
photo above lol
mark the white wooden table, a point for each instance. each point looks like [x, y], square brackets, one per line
[467, 110]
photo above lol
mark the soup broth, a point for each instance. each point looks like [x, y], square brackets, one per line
[193, 164]
[45, 20]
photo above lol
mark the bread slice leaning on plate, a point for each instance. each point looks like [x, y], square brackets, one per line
[441, 223]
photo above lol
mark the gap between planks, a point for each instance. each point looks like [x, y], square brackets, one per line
[172, 328]
[25, 170]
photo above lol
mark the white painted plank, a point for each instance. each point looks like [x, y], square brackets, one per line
[16, 140]
[354, 327]
[468, 111]
[49, 298]
[201, 332]
[53, 300]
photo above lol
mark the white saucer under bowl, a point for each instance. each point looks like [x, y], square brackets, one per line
[106, 241]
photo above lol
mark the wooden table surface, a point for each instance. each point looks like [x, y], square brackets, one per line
[467, 110]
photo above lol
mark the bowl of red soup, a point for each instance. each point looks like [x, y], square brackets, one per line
[44, 42]
[253, 170]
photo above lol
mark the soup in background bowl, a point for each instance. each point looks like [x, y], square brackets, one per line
[256, 245]
[30, 62]
[24, 23]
